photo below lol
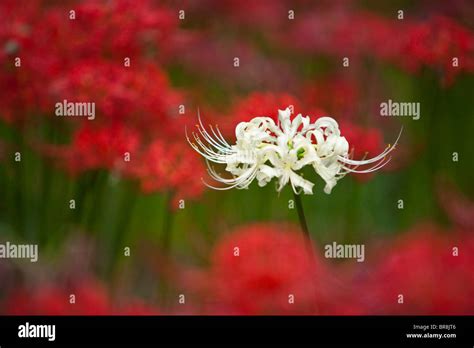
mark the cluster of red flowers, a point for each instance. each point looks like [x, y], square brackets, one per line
[435, 42]
[339, 30]
[88, 298]
[50, 41]
[442, 44]
[168, 166]
[432, 271]
[92, 61]
[258, 268]
[267, 269]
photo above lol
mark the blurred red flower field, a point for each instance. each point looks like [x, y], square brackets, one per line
[119, 204]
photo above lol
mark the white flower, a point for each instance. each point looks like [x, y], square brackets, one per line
[264, 151]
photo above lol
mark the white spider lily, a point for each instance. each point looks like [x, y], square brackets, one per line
[264, 150]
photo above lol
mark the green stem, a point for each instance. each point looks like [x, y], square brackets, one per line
[301, 217]
[304, 228]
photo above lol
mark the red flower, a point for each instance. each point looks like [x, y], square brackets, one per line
[433, 42]
[436, 42]
[100, 148]
[141, 98]
[166, 166]
[272, 265]
[89, 299]
[422, 266]
[91, 38]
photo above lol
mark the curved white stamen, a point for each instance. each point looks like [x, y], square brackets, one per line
[219, 138]
[242, 181]
[207, 136]
[370, 170]
[212, 157]
[387, 150]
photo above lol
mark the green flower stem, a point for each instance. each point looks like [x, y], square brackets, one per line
[301, 217]
[309, 244]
